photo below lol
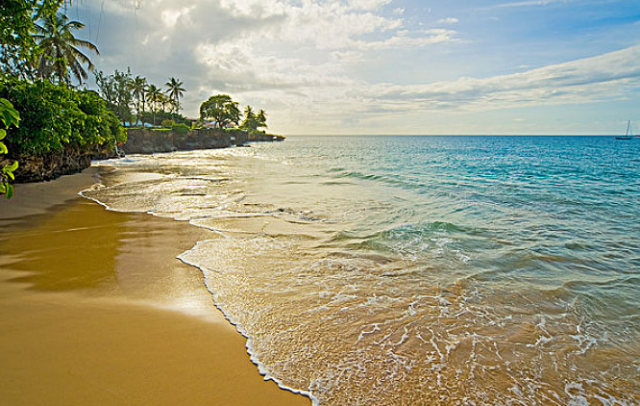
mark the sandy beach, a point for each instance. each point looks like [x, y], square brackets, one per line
[96, 309]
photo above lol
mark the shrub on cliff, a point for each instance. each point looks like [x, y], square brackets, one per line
[54, 117]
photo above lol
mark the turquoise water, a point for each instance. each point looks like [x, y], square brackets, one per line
[418, 270]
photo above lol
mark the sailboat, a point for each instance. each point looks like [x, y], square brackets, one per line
[628, 135]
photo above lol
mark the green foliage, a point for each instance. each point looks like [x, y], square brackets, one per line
[9, 117]
[55, 116]
[222, 109]
[18, 47]
[262, 119]
[59, 53]
[175, 91]
[117, 89]
[155, 97]
[167, 123]
[124, 93]
[147, 117]
[139, 93]
[253, 121]
[181, 128]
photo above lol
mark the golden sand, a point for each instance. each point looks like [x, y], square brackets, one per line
[96, 310]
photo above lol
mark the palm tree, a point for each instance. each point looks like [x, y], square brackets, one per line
[262, 118]
[154, 96]
[175, 91]
[248, 113]
[59, 48]
[139, 89]
[249, 122]
[163, 100]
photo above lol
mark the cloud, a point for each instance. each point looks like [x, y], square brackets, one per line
[368, 4]
[404, 39]
[448, 21]
[170, 16]
[588, 80]
[529, 3]
[307, 50]
[317, 64]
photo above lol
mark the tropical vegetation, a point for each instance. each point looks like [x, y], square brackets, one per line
[137, 102]
[19, 50]
[43, 61]
[40, 61]
[9, 117]
[59, 49]
[175, 91]
[253, 121]
[221, 109]
[55, 118]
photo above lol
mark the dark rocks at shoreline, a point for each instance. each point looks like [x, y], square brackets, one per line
[52, 165]
[147, 141]
[72, 160]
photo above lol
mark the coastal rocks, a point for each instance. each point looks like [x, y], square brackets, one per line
[52, 165]
[147, 141]
[74, 159]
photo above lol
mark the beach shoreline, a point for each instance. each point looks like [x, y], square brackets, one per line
[95, 308]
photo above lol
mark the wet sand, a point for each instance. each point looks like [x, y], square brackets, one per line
[95, 309]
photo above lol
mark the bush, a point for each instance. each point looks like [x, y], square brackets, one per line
[158, 116]
[55, 116]
[9, 117]
[167, 123]
[181, 128]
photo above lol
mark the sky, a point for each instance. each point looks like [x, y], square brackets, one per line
[387, 66]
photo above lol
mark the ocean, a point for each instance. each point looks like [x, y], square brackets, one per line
[487, 270]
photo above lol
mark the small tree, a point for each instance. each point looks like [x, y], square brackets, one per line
[116, 90]
[222, 109]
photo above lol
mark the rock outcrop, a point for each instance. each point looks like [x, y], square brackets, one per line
[52, 165]
[139, 141]
[147, 141]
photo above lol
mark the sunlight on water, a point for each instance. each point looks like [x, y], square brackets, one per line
[417, 270]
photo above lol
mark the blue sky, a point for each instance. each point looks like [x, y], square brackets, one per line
[388, 66]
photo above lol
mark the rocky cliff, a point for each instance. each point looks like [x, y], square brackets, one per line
[52, 165]
[146, 141]
[140, 141]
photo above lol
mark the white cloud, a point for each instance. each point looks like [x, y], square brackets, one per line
[368, 4]
[170, 16]
[449, 21]
[404, 39]
[318, 64]
[529, 3]
[587, 80]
